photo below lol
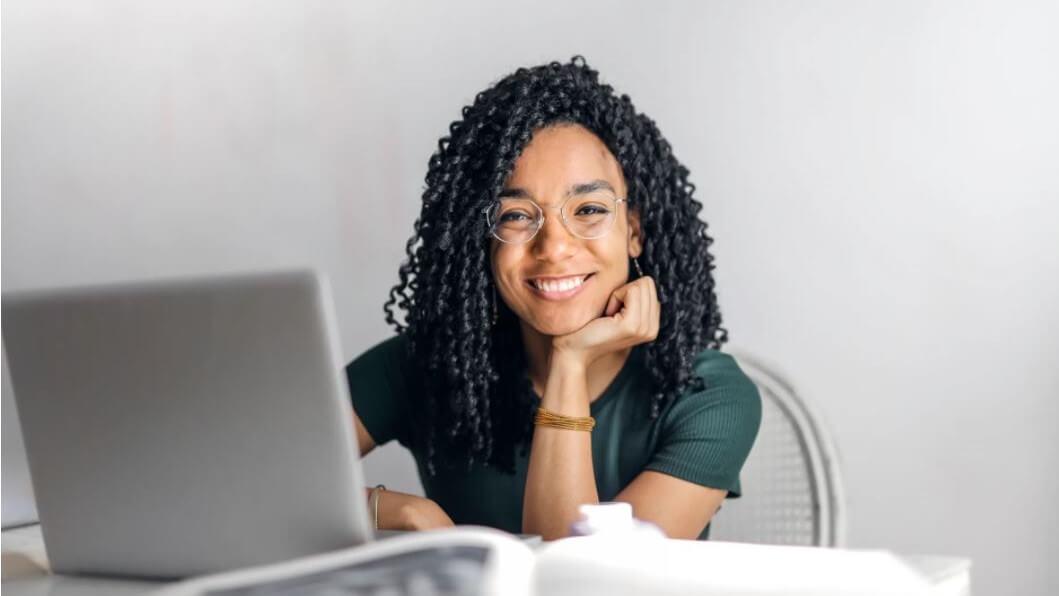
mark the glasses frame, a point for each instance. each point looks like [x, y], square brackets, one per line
[562, 217]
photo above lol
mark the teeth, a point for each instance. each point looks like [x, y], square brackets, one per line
[561, 285]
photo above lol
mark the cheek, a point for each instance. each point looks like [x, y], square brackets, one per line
[614, 262]
[504, 263]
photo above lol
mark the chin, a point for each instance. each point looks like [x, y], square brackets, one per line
[561, 325]
[552, 330]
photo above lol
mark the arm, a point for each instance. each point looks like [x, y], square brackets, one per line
[400, 511]
[560, 476]
[680, 508]
[705, 438]
[364, 441]
[379, 396]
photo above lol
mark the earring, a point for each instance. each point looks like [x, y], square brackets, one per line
[496, 312]
[636, 264]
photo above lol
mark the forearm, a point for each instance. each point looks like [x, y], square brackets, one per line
[391, 512]
[560, 475]
[402, 511]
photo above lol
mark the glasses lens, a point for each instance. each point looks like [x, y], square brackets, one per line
[591, 215]
[514, 220]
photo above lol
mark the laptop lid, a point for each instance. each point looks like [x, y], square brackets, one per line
[183, 427]
[18, 504]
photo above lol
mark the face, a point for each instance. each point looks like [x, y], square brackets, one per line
[539, 279]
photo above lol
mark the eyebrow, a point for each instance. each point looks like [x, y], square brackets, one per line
[577, 189]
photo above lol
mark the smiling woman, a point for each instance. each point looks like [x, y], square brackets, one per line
[561, 336]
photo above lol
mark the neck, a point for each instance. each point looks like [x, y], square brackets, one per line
[599, 374]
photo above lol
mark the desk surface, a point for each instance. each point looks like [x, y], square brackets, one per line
[26, 573]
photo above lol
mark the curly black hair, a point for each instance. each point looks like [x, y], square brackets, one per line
[478, 401]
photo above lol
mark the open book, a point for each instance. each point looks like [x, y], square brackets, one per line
[476, 560]
[462, 560]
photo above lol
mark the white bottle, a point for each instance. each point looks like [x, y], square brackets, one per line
[613, 519]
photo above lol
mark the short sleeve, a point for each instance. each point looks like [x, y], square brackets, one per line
[379, 388]
[707, 435]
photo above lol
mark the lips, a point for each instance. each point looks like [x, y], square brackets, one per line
[558, 287]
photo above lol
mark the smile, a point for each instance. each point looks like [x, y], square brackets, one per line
[558, 288]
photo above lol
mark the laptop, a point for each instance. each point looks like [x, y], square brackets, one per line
[182, 427]
[18, 503]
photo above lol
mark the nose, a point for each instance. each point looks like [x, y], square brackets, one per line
[553, 241]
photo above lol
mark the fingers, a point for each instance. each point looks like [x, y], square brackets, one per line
[631, 317]
[620, 301]
[651, 310]
[613, 306]
[635, 305]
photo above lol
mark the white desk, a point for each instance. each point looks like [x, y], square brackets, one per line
[25, 572]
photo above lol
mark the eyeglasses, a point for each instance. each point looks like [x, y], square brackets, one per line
[587, 216]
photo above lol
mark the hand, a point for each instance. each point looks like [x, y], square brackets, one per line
[631, 317]
[401, 511]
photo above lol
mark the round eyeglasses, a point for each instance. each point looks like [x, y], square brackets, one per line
[587, 216]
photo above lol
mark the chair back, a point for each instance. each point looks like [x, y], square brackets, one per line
[792, 488]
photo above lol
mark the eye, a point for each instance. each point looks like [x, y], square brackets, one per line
[592, 210]
[514, 216]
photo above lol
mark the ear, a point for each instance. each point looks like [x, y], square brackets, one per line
[635, 240]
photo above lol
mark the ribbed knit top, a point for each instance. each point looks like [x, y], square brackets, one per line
[702, 436]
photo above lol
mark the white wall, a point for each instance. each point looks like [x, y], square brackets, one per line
[880, 179]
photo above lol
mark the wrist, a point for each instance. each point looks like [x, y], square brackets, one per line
[566, 388]
[403, 512]
[408, 517]
[566, 361]
[421, 513]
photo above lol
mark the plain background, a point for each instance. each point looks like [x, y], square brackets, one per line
[880, 178]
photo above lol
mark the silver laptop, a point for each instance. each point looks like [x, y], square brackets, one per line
[186, 427]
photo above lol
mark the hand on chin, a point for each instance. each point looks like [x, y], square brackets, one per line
[630, 318]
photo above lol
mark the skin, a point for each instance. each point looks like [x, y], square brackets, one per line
[574, 347]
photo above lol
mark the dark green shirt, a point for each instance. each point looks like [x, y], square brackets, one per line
[702, 437]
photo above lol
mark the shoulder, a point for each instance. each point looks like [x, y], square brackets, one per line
[394, 347]
[386, 367]
[727, 398]
[723, 378]
[707, 432]
[388, 357]
[381, 385]
[723, 369]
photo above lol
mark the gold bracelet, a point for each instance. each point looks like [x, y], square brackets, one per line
[554, 419]
[375, 503]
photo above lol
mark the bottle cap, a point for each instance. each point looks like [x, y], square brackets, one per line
[607, 516]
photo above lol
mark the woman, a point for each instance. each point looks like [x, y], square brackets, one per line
[561, 330]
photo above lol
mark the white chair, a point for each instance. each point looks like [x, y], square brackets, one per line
[792, 488]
